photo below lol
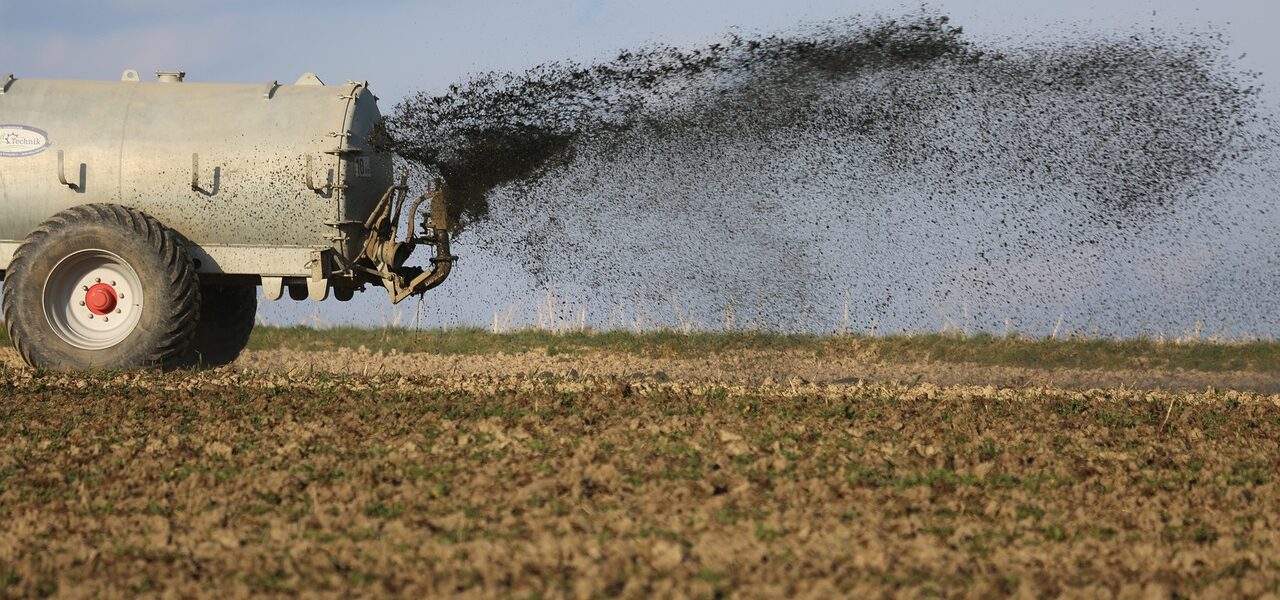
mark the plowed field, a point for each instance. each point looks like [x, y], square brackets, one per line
[327, 479]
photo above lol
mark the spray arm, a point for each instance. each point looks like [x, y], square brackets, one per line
[388, 255]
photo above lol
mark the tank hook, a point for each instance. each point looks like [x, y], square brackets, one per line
[319, 189]
[62, 174]
[195, 176]
[195, 172]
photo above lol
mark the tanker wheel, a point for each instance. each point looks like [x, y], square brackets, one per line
[227, 314]
[101, 286]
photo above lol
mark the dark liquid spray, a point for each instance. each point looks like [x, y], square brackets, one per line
[871, 176]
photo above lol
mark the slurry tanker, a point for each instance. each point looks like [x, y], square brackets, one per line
[138, 218]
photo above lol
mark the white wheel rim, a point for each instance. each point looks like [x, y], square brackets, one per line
[93, 299]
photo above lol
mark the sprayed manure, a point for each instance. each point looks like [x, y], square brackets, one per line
[856, 175]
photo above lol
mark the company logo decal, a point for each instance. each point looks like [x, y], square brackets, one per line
[20, 140]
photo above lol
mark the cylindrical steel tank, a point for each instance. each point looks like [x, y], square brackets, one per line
[257, 177]
[137, 219]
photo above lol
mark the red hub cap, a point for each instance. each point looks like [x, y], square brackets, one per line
[100, 299]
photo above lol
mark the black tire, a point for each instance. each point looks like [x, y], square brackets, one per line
[154, 326]
[227, 314]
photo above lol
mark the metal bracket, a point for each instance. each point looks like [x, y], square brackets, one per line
[195, 172]
[62, 174]
[318, 290]
[318, 284]
[341, 151]
[271, 89]
[311, 183]
[354, 93]
[339, 226]
[319, 264]
[4, 85]
[273, 288]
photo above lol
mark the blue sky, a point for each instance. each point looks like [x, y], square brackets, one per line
[401, 45]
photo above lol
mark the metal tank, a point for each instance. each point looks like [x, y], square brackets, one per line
[260, 184]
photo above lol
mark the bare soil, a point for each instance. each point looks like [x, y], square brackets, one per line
[346, 473]
[750, 367]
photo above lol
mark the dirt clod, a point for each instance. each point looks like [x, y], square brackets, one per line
[238, 483]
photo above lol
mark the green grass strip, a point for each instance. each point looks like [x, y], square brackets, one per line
[1013, 351]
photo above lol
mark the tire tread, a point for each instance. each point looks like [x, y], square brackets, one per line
[182, 317]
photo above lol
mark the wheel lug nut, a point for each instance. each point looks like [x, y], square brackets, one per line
[84, 288]
[82, 303]
[97, 280]
[105, 319]
[118, 311]
[113, 284]
[90, 315]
